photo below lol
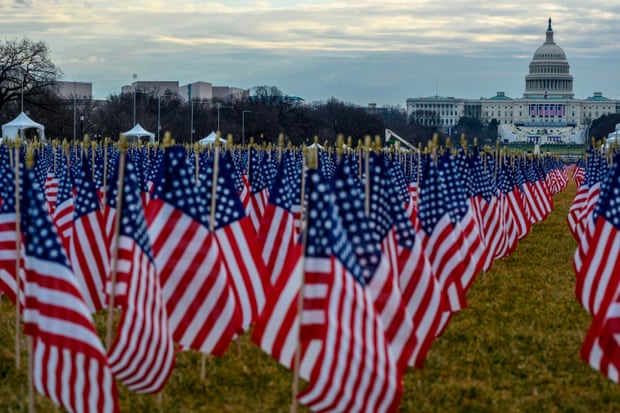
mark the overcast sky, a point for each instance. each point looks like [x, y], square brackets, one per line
[358, 51]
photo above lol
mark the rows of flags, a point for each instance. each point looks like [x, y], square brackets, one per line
[345, 269]
[594, 221]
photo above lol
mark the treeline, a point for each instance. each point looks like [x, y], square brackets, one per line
[262, 116]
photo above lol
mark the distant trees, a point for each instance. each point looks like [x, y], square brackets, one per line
[470, 127]
[491, 133]
[340, 118]
[266, 95]
[602, 126]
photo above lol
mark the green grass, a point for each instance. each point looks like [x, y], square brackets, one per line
[555, 149]
[514, 349]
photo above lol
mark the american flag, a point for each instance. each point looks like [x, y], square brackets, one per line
[514, 201]
[531, 197]
[507, 220]
[398, 178]
[142, 354]
[240, 161]
[373, 239]
[419, 287]
[600, 273]
[440, 242]
[277, 234]
[556, 175]
[471, 247]
[51, 182]
[63, 213]
[109, 208]
[485, 204]
[235, 236]
[586, 286]
[88, 249]
[294, 172]
[41, 165]
[98, 170]
[597, 172]
[579, 173]
[155, 158]
[69, 362]
[542, 187]
[259, 188]
[355, 371]
[199, 298]
[327, 164]
[597, 169]
[8, 234]
[141, 163]
[276, 330]
[576, 209]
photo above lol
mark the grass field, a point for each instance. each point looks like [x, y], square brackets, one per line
[514, 349]
[565, 150]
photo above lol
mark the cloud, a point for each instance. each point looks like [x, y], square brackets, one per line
[339, 42]
[86, 60]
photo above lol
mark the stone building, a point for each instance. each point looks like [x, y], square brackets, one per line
[548, 112]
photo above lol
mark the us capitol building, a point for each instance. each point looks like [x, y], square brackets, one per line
[547, 113]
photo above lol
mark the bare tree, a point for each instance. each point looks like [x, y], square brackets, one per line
[25, 62]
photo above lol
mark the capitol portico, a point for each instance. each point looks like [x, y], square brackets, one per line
[547, 113]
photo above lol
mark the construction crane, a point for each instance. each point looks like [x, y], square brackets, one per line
[389, 134]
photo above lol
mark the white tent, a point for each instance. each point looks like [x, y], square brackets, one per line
[22, 122]
[138, 132]
[210, 140]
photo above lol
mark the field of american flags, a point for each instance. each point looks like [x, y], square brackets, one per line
[514, 347]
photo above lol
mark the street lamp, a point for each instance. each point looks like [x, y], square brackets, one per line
[74, 111]
[219, 105]
[159, 114]
[134, 103]
[135, 76]
[191, 122]
[243, 125]
[82, 125]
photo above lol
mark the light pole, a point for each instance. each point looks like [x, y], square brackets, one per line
[219, 106]
[191, 122]
[135, 76]
[134, 103]
[159, 114]
[74, 112]
[82, 125]
[243, 125]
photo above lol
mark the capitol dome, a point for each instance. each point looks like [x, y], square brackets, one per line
[549, 75]
[549, 51]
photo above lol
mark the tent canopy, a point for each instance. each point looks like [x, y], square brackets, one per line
[138, 132]
[22, 122]
[210, 140]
